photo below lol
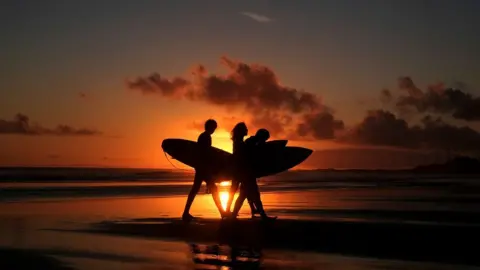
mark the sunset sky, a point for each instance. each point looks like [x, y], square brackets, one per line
[364, 72]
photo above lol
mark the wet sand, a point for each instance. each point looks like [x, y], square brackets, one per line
[415, 242]
[98, 251]
[15, 258]
[341, 226]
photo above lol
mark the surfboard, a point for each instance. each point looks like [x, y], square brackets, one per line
[272, 158]
[280, 143]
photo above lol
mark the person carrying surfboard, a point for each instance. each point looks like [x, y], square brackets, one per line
[249, 188]
[243, 174]
[203, 173]
[261, 135]
[239, 159]
[239, 152]
[259, 139]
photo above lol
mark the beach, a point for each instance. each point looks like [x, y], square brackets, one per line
[130, 219]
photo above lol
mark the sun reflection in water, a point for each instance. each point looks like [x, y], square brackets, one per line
[224, 199]
[224, 195]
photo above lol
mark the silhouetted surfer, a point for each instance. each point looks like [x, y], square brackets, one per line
[238, 133]
[239, 155]
[243, 173]
[259, 139]
[203, 173]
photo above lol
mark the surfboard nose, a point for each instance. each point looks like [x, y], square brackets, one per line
[305, 152]
[164, 143]
[168, 144]
[301, 153]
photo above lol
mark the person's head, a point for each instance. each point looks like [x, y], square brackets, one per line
[262, 135]
[239, 131]
[210, 126]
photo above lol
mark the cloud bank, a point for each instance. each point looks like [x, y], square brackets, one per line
[437, 99]
[255, 91]
[383, 128]
[252, 89]
[21, 125]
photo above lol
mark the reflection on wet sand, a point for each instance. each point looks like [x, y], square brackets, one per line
[171, 244]
[224, 255]
[28, 259]
[378, 240]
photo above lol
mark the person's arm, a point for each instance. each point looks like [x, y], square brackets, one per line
[208, 141]
[204, 143]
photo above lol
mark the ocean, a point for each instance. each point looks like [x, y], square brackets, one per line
[56, 212]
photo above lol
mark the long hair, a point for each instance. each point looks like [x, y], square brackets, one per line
[238, 132]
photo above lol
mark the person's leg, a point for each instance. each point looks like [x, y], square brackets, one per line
[239, 202]
[256, 198]
[249, 189]
[216, 197]
[231, 194]
[253, 209]
[197, 184]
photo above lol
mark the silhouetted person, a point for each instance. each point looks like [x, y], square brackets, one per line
[262, 135]
[203, 173]
[259, 139]
[249, 187]
[239, 159]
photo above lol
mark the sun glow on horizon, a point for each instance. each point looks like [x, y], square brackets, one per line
[221, 139]
[225, 183]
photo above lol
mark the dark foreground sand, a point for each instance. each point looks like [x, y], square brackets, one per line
[12, 258]
[453, 244]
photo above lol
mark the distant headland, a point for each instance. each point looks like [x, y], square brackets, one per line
[457, 165]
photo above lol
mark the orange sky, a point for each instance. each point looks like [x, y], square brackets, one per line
[139, 149]
[76, 67]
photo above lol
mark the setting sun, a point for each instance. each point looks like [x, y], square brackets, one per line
[225, 183]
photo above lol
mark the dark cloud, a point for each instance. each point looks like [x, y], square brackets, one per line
[253, 88]
[255, 91]
[386, 96]
[438, 134]
[439, 99]
[21, 125]
[383, 128]
[321, 125]
[155, 84]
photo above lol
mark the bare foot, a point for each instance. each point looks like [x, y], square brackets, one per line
[187, 217]
[269, 217]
